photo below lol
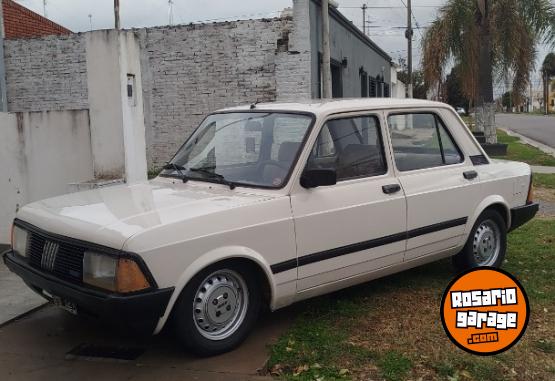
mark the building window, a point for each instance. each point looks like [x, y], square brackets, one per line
[336, 80]
[387, 91]
[363, 84]
[373, 86]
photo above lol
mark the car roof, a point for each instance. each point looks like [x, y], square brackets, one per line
[332, 106]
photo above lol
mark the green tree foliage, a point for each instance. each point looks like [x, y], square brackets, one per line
[454, 91]
[549, 64]
[489, 39]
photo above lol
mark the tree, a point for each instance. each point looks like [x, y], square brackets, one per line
[548, 70]
[420, 89]
[453, 87]
[507, 101]
[487, 39]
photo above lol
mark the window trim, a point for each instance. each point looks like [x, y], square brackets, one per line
[437, 118]
[379, 126]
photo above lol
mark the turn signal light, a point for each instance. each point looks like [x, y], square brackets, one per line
[129, 277]
[530, 198]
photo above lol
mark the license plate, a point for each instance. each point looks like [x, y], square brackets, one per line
[65, 305]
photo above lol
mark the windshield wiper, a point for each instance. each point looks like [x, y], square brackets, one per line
[221, 178]
[179, 169]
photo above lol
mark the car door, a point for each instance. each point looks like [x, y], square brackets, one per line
[440, 183]
[359, 224]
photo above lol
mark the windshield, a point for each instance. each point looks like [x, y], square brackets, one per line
[248, 148]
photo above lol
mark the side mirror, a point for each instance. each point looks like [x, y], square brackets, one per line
[314, 178]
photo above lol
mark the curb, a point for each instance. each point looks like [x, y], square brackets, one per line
[542, 147]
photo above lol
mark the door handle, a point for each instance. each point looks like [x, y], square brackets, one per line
[470, 175]
[391, 189]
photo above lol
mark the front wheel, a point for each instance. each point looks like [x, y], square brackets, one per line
[486, 245]
[217, 309]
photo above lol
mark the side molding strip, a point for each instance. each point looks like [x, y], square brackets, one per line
[366, 245]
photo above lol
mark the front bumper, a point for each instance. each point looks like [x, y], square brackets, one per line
[523, 214]
[140, 310]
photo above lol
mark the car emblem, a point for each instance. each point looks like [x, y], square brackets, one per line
[49, 253]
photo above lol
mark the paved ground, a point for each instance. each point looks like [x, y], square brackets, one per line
[544, 170]
[536, 127]
[35, 347]
[15, 297]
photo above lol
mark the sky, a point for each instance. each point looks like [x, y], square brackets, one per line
[386, 19]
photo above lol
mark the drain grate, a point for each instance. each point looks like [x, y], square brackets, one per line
[105, 352]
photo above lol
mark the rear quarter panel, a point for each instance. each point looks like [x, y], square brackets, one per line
[503, 182]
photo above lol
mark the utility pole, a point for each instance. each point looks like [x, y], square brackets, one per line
[170, 12]
[546, 92]
[116, 14]
[409, 35]
[326, 55]
[364, 7]
[44, 8]
[3, 96]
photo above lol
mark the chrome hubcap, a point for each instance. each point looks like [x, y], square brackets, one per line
[486, 243]
[220, 304]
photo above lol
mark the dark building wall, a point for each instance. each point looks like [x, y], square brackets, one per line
[346, 41]
[20, 22]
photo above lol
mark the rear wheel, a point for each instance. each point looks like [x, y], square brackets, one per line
[217, 309]
[486, 245]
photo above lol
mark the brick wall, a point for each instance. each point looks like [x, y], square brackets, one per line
[189, 71]
[48, 73]
[20, 22]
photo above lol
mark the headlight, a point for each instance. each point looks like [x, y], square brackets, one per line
[114, 274]
[20, 239]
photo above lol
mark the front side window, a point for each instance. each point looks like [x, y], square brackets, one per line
[420, 141]
[350, 146]
[245, 148]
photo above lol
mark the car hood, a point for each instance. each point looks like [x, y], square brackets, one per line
[109, 216]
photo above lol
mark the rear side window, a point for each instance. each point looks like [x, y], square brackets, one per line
[351, 146]
[420, 141]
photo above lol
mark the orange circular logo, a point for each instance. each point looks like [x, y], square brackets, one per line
[485, 311]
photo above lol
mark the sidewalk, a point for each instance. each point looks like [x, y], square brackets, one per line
[15, 297]
[544, 170]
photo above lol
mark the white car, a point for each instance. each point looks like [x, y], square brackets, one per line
[270, 204]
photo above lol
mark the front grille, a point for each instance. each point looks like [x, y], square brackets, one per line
[59, 258]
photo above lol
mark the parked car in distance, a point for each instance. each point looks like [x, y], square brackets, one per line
[461, 111]
[269, 204]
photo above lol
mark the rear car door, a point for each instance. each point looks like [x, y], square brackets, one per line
[359, 224]
[439, 181]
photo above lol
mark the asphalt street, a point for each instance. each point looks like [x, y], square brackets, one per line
[535, 127]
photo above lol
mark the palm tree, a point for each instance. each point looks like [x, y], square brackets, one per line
[488, 39]
[548, 70]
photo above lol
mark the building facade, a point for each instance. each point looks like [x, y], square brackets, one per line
[188, 71]
[359, 67]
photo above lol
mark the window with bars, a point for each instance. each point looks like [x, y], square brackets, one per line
[373, 87]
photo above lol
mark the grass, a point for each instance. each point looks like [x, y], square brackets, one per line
[152, 173]
[544, 180]
[390, 329]
[519, 151]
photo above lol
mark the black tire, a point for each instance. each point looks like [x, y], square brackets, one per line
[466, 259]
[184, 317]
